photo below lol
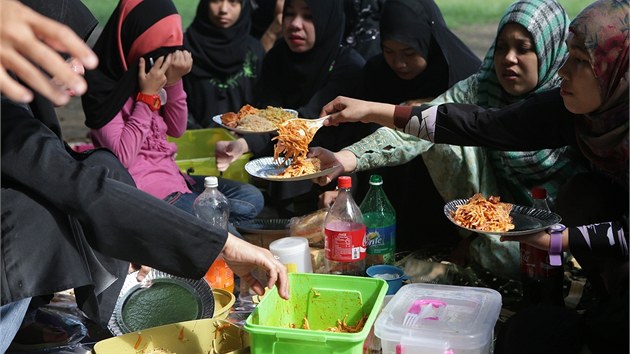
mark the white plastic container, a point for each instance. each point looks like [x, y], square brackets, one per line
[294, 253]
[450, 319]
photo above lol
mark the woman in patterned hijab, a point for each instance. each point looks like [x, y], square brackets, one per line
[510, 174]
[515, 172]
[603, 133]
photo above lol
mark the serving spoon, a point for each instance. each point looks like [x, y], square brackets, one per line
[312, 124]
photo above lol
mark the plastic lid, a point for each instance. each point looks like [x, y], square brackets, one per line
[344, 182]
[289, 245]
[376, 180]
[539, 193]
[424, 316]
[211, 181]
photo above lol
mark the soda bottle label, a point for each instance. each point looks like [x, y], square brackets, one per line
[534, 263]
[380, 240]
[345, 244]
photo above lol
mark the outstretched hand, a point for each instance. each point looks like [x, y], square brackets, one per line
[243, 257]
[28, 38]
[345, 159]
[540, 240]
[344, 109]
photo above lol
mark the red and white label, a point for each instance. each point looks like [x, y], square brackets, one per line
[345, 242]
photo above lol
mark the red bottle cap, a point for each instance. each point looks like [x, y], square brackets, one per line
[344, 182]
[539, 193]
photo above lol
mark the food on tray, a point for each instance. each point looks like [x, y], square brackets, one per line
[293, 139]
[484, 214]
[256, 120]
[255, 123]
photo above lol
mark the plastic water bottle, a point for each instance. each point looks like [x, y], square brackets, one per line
[211, 205]
[380, 219]
[542, 282]
[345, 243]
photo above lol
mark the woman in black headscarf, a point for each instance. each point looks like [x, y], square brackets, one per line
[416, 28]
[226, 61]
[421, 58]
[303, 71]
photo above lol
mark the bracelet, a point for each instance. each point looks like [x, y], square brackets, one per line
[555, 248]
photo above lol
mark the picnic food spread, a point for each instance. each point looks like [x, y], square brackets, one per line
[484, 214]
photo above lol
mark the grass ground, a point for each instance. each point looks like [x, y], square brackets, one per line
[456, 12]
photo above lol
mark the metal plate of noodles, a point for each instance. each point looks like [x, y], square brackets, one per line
[526, 220]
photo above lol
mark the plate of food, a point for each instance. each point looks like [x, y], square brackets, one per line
[251, 120]
[491, 216]
[267, 168]
[159, 299]
[289, 161]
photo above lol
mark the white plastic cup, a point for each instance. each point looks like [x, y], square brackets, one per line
[294, 253]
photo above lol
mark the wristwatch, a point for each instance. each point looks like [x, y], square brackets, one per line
[153, 101]
[555, 244]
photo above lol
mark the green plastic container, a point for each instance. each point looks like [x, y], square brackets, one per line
[195, 154]
[323, 299]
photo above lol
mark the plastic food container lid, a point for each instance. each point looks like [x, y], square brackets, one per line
[444, 315]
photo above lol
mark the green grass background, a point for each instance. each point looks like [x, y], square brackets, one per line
[456, 12]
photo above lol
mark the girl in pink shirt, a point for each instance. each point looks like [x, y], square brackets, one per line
[136, 99]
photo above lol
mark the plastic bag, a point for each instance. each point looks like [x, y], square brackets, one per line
[310, 226]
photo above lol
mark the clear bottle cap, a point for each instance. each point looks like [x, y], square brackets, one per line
[211, 181]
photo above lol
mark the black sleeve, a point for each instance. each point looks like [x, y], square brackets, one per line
[539, 122]
[344, 80]
[608, 240]
[119, 220]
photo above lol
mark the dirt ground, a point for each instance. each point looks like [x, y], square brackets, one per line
[477, 37]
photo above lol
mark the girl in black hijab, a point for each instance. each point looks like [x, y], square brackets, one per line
[417, 28]
[421, 59]
[226, 63]
[304, 71]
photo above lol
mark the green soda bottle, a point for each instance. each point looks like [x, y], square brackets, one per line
[380, 219]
